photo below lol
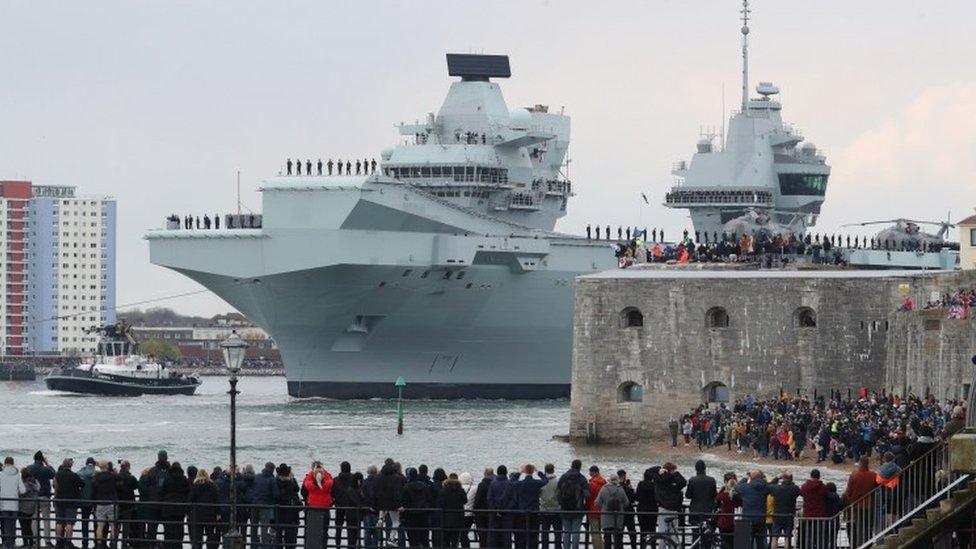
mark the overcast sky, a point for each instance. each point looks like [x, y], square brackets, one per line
[159, 103]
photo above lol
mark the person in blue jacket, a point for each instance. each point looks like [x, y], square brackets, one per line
[501, 502]
[527, 490]
[753, 491]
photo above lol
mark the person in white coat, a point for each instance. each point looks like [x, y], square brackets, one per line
[467, 484]
[11, 487]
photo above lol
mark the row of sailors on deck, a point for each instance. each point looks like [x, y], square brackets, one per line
[620, 233]
[239, 221]
[363, 167]
[173, 221]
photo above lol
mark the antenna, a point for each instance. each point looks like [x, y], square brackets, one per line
[722, 138]
[238, 195]
[745, 54]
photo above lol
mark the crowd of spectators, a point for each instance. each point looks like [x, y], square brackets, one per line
[525, 508]
[957, 303]
[832, 428]
[393, 506]
[771, 250]
[635, 245]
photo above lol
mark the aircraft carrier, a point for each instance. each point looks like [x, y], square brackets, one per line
[441, 267]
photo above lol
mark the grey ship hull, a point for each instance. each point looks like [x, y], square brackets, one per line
[479, 312]
[492, 334]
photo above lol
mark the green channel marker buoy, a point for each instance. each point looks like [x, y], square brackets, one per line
[400, 384]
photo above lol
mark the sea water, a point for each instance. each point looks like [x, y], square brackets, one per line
[460, 435]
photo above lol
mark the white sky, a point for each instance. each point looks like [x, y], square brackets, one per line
[159, 103]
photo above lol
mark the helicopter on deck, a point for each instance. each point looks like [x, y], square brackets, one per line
[758, 221]
[907, 234]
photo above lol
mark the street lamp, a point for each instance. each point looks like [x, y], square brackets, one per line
[233, 348]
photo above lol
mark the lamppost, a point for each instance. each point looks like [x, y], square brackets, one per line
[400, 384]
[233, 348]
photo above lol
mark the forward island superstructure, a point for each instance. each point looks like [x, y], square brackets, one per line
[442, 267]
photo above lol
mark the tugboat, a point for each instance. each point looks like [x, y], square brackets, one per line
[117, 369]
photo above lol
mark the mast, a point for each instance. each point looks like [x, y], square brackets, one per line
[745, 54]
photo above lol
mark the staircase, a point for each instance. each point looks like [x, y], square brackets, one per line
[922, 530]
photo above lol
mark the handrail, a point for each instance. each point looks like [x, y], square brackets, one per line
[911, 514]
[867, 514]
[942, 444]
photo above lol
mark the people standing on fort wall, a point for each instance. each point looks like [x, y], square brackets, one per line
[635, 247]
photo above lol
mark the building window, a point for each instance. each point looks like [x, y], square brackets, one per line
[805, 317]
[972, 237]
[630, 392]
[631, 317]
[717, 317]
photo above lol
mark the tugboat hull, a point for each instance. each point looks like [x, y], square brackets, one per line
[107, 387]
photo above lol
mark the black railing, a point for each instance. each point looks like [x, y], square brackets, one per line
[167, 525]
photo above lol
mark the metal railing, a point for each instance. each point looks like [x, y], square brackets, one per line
[165, 525]
[899, 497]
[170, 525]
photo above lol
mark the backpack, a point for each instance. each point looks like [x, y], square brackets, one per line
[569, 494]
[614, 503]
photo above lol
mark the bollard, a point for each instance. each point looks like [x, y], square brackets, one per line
[315, 527]
[742, 534]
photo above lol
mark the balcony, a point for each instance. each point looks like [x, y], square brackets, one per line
[740, 198]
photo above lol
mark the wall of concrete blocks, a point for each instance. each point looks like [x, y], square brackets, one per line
[677, 355]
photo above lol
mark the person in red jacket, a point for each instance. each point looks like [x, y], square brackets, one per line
[860, 485]
[727, 501]
[814, 494]
[318, 496]
[593, 510]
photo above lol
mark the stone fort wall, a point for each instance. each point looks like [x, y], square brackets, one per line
[649, 344]
[929, 353]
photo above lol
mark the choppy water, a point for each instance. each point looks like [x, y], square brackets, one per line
[456, 435]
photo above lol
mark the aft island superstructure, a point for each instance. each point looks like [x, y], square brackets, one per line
[763, 170]
[442, 267]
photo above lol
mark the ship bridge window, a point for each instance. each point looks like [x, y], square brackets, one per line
[717, 317]
[801, 184]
